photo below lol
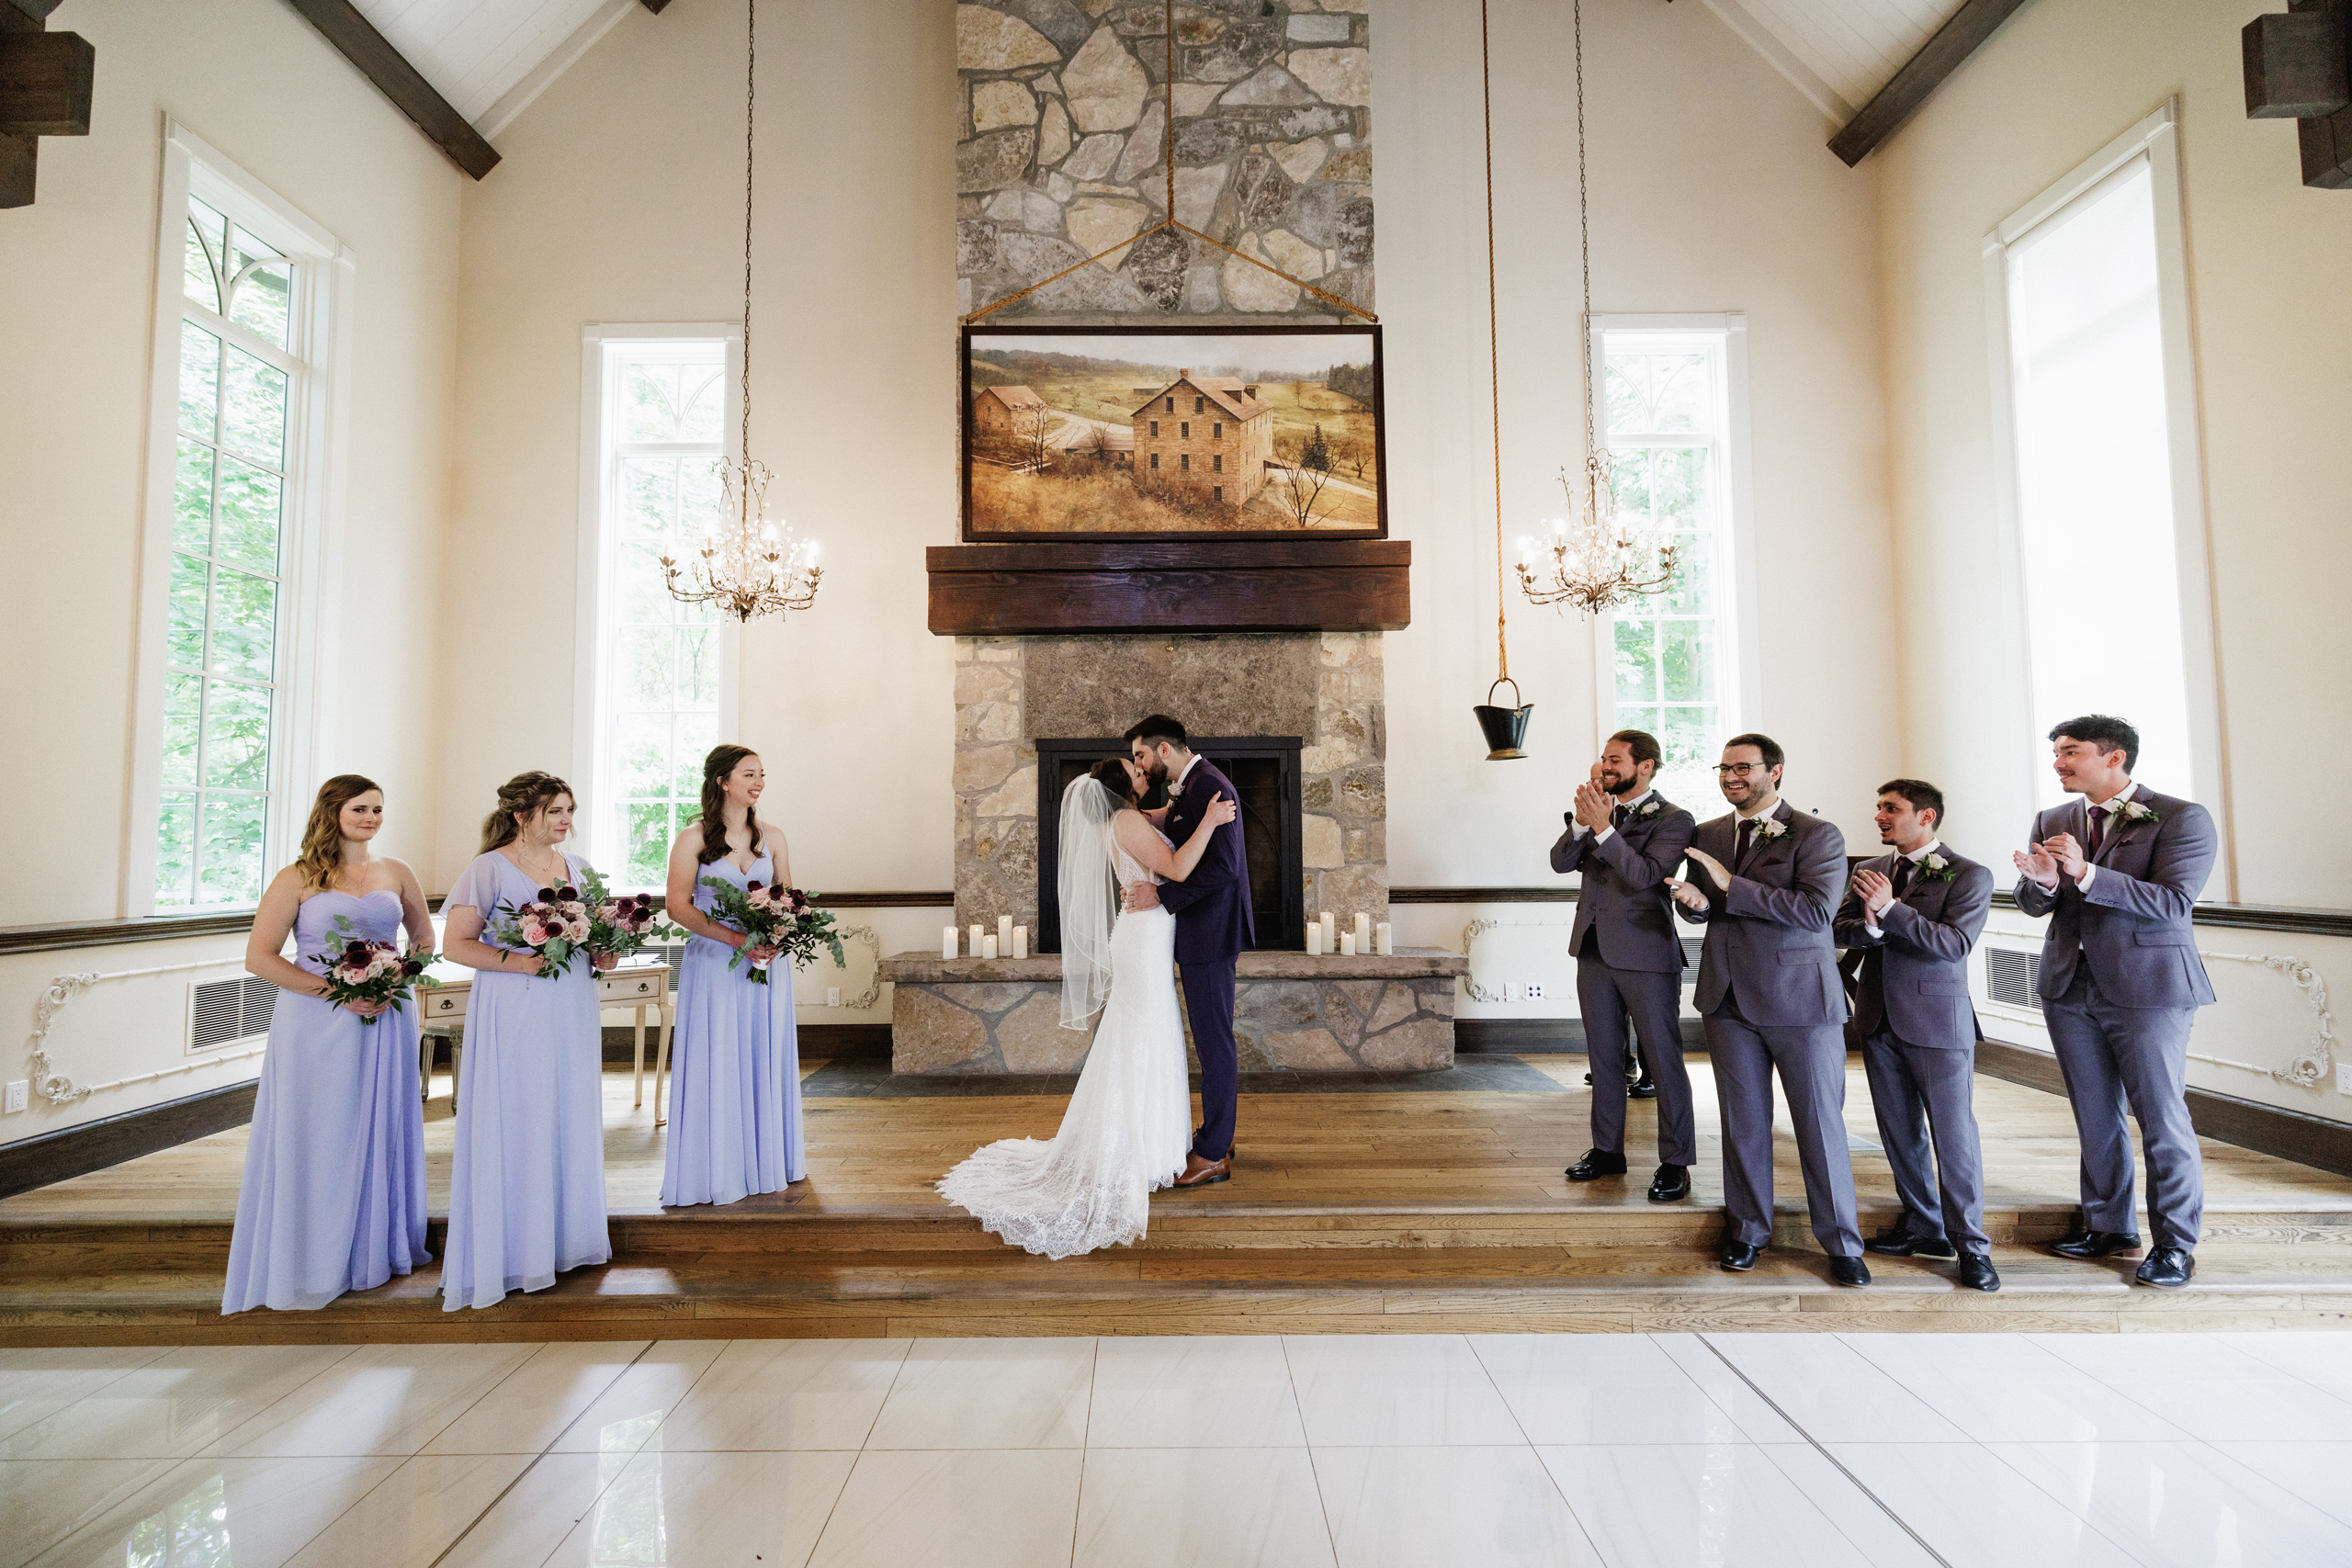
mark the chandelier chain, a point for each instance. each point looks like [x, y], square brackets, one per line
[751, 92]
[1584, 242]
[1495, 341]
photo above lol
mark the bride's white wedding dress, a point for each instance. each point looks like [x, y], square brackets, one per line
[1130, 1120]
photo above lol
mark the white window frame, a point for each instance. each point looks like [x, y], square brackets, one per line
[317, 403]
[1725, 333]
[599, 498]
[2158, 138]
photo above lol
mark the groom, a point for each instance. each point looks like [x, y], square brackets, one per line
[1213, 925]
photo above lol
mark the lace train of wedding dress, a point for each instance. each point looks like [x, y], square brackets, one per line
[1127, 1128]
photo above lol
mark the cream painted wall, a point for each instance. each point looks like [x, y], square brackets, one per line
[255, 81]
[618, 201]
[258, 83]
[2271, 292]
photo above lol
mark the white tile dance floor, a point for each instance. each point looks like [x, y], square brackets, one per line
[2004, 1450]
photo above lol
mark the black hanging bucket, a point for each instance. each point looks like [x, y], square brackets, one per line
[1504, 728]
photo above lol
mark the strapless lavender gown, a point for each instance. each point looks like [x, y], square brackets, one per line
[735, 1059]
[333, 1194]
[526, 1185]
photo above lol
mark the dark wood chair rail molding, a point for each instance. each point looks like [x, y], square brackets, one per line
[76, 1151]
[414, 96]
[1925, 71]
[1170, 585]
[1482, 895]
[2249, 917]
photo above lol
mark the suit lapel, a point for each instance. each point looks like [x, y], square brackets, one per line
[2122, 825]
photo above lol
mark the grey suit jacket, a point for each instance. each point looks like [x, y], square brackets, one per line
[1769, 939]
[1923, 943]
[2133, 928]
[1623, 897]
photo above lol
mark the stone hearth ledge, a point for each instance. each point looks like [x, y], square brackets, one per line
[1291, 1013]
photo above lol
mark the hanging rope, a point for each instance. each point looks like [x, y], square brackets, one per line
[1494, 331]
[750, 86]
[1168, 137]
[1584, 247]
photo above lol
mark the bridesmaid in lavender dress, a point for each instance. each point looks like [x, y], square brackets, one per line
[334, 1193]
[526, 1188]
[735, 1102]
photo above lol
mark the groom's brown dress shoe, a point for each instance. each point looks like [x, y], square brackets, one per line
[1199, 1172]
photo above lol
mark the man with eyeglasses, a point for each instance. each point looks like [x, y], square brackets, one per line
[1766, 886]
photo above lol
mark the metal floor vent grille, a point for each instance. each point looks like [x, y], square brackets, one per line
[2013, 977]
[223, 1011]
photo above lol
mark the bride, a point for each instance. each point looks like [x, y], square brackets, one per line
[1130, 1119]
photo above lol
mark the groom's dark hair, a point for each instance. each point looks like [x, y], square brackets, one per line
[1155, 729]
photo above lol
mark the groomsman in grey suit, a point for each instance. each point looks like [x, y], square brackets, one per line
[1769, 991]
[2118, 872]
[1914, 915]
[1626, 839]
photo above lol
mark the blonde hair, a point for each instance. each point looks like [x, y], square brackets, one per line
[517, 798]
[321, 858]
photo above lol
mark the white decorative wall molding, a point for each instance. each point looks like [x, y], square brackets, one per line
[2314, 1068]
[1476, 928]
[872, 995]
[57, 1087]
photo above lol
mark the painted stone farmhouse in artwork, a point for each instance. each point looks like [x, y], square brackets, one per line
[1211, 432]
[1002, 410]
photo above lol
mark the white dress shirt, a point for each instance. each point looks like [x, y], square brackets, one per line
[1917, 857]
[1190, 763]
[1631, 806]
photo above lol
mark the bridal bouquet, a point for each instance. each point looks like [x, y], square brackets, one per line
[619, 925]
[779, 916]
[363, 971]
[551, 927]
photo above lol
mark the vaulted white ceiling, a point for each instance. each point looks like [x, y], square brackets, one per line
[490, 58]
[1839, 53]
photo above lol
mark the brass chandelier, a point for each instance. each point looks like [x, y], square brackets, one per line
[747, 565]
[1594, 559]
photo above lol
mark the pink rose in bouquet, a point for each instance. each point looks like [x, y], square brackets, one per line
[619, 924]
[551, 927]
[776, 917]
[364, 971]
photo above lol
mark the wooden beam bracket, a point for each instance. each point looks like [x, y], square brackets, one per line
[1975, 21]
[414, 96]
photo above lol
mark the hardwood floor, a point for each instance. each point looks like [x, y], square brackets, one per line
[1385, 1210]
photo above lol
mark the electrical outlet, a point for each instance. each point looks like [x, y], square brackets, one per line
[2343, 1083]
[1535, 991]
[19, 1095]
[1511, 990]
[833, 995]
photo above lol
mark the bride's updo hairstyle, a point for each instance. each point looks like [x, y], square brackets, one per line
[517, 798]
[1111, 774]
[717, 769]
[321, 853]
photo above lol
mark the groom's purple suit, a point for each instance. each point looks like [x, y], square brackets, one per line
[1213, 925]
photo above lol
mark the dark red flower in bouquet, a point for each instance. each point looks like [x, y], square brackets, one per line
[546, 894]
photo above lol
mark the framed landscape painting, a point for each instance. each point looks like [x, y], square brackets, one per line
[1129, 432]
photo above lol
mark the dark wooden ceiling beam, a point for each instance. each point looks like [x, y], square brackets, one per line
[655, 6]
[1940, 56]
[414, 96]
[46, 84]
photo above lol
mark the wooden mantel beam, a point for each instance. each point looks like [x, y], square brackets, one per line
[398, 80]
[1975, 21]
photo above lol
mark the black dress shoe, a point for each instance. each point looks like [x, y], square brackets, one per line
[1896, 1241]
[2085, 1244]
[2167, 1268]
[1976, 1272]
[1739, 1257]
[1849, 1272]
[1670, 1185]
[1596, 1164]
[1644, 1087]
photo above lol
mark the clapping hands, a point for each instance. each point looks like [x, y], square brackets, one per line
[1876, 892]
[1594, 804]
[2058, 856]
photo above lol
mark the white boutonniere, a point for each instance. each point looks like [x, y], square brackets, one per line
[1648, 810]
[1936, 868]
[2135, 811]
[1771, 828]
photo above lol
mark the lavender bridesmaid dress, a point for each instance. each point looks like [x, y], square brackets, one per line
[735, 1095]
[526, 1188]
[334, 1193]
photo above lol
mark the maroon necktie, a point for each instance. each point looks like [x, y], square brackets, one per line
[1746, 836]
[1617, 818]
[2097, 835]
[1902, 877]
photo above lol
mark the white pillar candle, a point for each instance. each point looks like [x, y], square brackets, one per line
[1315, 939]
[987, 945]
[1330, 933]
[1363, 932]
[1005, 933]
[1346, 945]
[1385, 937]
[974, 949]
[1021, 941]
[947, 941]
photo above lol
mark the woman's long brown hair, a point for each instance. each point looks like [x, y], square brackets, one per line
[321, 853]
[716, 770]
[517, 798]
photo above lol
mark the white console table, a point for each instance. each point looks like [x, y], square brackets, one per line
[635, 986]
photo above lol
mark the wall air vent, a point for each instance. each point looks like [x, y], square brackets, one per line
[223, 1012]
[2013, 977]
